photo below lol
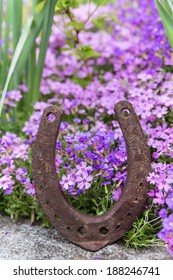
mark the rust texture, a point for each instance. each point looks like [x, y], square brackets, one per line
[92, 232]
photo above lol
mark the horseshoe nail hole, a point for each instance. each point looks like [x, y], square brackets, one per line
[47, 201]
[68, 228]
[125, 113]
[128, 214]
[118, 227]
[40, 187]
[140, 184]
[57, 216]
[51, 117]
[81, 230]
[136, 199]
[103, 230]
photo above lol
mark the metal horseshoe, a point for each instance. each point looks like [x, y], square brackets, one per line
[92, 232]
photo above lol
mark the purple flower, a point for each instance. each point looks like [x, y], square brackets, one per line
[116, 194]
[82, 167]
[76, 120]
[159, 198]
[163, 213]
[58, 160]
[83, 181]
[21, 152]
[66, 182]
[30, 189]
[160, 111]
[163, 182]
[78, 147]
[85, 121]
[168, 222]
[169, 201]
[6, 182]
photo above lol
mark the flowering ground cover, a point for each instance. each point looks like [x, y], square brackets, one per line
[118, 52]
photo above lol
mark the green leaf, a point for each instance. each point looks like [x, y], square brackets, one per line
[40, 6]
[17, 54]
[85, 52]
[46, 30]
[66, 4]
[99, 21]
[165, 9]
[76, 24]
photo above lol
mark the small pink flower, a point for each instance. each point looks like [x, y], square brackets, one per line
[83, 181]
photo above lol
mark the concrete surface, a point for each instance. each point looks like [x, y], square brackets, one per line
[22, 242]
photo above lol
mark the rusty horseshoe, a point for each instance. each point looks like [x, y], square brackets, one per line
[92, 232]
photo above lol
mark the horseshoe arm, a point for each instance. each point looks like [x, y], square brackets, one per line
[91, 232]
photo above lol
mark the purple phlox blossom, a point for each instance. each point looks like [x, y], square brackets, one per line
[163, 182]
[82, 137]
[58, 160]
[63, 126]
[162, 146]
[116, 194]
[73, 175]
[80, 147]
[159, 197]
[160, 111]
[158, 167]
[12, 97]
[82, 167]
[86, 121]
[167, 236]
[156, 155]
[168, 222]
[9, 190]
[107, 137]
[153, 178]
[40, 106]
[21, 173]
[121, 156]
[69, 150]
[21, 152]
[152, 193]
[76, 120]
[91, 156]
[66, 182]
[105, 183]
[120, 176]
[58, 146]
[6, 182]
[69, 139]
[144, 76]
[10, 139]
[30, 188]
[169, 201]
[23, 87]
[107, 171]
[163, 213]
[8, 161]
[84, 180]
[143, 109]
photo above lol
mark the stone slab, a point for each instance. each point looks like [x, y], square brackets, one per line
[25, 242]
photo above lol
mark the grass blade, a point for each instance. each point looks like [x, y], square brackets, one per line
[50, 7]
[166, 13]
[15, 59]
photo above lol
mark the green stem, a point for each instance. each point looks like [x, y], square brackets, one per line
[47, 24]
[16, 15]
